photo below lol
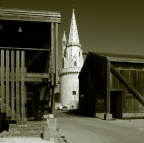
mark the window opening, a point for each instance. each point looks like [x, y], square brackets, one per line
[74, 92]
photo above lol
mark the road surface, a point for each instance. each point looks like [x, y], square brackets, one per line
[78, 129]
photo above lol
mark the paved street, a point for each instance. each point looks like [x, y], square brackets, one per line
[78, 129]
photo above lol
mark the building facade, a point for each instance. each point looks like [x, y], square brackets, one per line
[72, 61]
[112, 85]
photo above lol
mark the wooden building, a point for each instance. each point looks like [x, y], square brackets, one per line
[28, 63]
[112, 84]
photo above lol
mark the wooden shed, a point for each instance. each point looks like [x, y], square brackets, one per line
[112, 84]
[28, 63]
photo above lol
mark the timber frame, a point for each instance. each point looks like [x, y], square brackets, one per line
[29, 62]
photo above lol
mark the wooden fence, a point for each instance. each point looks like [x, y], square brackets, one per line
[13, 78]
[13, 89]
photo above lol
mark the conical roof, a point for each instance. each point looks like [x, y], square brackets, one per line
[73, 34]
[64, 37]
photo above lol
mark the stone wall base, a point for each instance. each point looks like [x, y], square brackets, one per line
[107, 116]
[132, 115]
[103, 116]
[99, 115]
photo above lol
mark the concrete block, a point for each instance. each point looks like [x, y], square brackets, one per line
[45, 116]
[107, 116]
[52, 123]
[46, 135]
[100, 115]
[50, 116]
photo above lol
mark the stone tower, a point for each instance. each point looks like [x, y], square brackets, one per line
[72, 62]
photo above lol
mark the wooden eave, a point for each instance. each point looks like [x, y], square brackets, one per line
[29, 15]
[122, 57]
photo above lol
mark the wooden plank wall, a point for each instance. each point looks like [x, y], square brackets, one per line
[12, 77]
[136, 78]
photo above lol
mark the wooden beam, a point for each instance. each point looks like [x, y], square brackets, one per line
[12, 85]
[38, 75]
[2, 81]
[123, 81]
[29, 15]
[28, 76]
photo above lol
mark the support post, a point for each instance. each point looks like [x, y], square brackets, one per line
[52, 66]
[108, 87]
[108, 115]
[52, 55]
[56, 53]
[52, 100]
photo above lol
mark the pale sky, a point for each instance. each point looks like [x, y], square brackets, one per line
[115, 26]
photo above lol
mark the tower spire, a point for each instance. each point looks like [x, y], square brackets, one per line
[64, 37]
[63, 44]
[73, 34]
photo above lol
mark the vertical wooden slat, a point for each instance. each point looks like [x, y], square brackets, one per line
[56, 53]
[52, 54]
[12, 86]
[22, 86]
[7, 85]
[17, 87]
[2, 82]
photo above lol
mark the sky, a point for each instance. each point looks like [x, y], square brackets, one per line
[111, 26]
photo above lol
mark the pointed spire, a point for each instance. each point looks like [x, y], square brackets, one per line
[63, 44]
[73, 35]
[64, 37]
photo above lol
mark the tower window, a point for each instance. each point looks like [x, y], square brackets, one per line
[74, 92]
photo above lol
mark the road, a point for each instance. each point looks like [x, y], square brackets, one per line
[78, 129]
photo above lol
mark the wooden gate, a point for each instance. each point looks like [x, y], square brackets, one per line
[13, 89]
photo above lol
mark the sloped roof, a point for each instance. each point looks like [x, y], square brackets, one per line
[121, 57]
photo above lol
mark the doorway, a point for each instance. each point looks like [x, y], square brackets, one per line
[116, 103]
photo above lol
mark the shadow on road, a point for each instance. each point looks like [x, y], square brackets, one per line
[70, 113]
